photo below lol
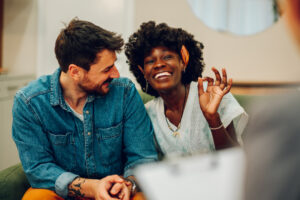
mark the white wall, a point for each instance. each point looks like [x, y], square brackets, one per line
[31, 27]
[19, 36]
[113, 15]
[267, 56]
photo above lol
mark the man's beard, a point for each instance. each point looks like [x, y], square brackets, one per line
[96, 90]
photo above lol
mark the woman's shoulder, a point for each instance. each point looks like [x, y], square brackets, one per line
[153, 105]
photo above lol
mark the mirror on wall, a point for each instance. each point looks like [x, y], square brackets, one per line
[240, 17]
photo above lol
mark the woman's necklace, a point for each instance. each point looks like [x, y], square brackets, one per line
[176, 131]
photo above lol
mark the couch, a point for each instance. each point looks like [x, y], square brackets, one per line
[13, 182]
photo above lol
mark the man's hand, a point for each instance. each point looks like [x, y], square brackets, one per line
[210, 99]
[102, 192]
[121, 190]
[93, 188]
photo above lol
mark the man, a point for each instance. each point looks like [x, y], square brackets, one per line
[273, 142]
[80, 128]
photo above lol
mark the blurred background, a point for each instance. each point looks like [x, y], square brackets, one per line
[263, 61]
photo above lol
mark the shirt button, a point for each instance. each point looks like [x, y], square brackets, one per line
[87, 112]
[89, 133]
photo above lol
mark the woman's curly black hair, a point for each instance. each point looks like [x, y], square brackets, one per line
[151, 35]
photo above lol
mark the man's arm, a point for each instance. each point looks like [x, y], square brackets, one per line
[138, 132]
[94, 188]
[35, 151]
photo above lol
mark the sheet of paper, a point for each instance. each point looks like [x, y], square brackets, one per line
[214, 176]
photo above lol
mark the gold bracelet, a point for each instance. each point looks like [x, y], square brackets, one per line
[213, 129]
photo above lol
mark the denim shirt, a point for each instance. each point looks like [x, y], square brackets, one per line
[55, 146]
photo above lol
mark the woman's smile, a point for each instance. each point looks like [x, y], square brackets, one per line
[162, 75]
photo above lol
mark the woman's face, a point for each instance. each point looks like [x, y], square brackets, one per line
[162, 69]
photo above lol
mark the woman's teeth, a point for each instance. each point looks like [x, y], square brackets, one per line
[162, 74]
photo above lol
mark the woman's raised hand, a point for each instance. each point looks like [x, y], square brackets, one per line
[210, 99]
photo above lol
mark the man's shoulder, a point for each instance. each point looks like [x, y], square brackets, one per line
[121, 86]
[122, 82]
[36, 87]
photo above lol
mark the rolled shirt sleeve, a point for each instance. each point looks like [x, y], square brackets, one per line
[62, 183]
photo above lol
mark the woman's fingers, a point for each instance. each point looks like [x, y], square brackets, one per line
[219, 82]
[218, 76]
[210, 81]
[227, 89]
[200, 86]
[224, 79]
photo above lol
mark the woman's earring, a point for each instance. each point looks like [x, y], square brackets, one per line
[146, 90]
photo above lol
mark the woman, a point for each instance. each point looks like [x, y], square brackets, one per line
[189, 114]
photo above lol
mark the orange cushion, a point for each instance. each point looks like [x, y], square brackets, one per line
[44, 194]
[40, 194]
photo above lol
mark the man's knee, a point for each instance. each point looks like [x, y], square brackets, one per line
[40, 194]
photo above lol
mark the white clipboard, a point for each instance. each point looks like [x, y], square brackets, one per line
[214, 176]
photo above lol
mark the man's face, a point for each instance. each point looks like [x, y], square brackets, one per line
[101, 73]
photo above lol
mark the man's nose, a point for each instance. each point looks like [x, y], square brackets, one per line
[114, 73]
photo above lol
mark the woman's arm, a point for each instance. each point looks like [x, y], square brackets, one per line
[209, 101]
[223, 137]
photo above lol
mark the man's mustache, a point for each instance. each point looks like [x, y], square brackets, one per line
[108, 80]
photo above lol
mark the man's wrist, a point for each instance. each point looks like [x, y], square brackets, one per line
[62, 182]
[83, 187]
[134, 186]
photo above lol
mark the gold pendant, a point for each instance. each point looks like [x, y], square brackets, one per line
[175, 134]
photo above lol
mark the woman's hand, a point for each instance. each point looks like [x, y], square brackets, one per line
[121, 190]
[210, 99]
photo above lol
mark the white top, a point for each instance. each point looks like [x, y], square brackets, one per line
[195, 135]
[78, 115]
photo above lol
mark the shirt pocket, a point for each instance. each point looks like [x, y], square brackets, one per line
[111, 144]
[61, 139]
[63, 149]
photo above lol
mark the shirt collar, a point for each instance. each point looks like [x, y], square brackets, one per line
[56, 96]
